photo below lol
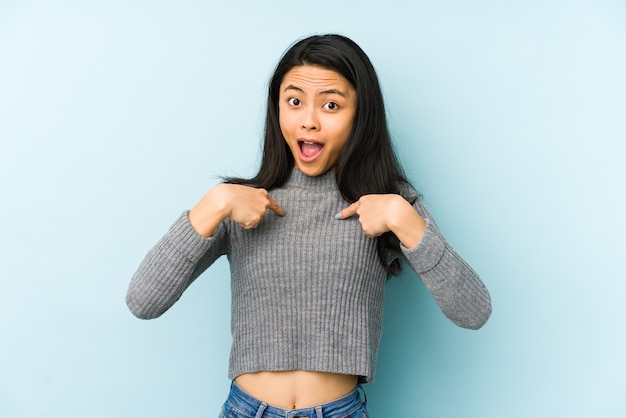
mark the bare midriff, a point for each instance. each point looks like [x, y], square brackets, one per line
[295, 389]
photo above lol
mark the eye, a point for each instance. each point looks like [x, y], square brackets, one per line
[331, 106]
[294, 101]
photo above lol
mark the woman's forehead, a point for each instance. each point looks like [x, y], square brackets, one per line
[315, 78]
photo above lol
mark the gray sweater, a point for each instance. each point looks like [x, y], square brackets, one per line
[307, 289]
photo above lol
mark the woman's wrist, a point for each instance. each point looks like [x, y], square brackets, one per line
[206, 216]
[407, 225]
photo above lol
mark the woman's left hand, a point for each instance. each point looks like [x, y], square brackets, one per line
[380, 213]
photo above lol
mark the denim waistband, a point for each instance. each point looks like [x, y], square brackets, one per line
[249, 405]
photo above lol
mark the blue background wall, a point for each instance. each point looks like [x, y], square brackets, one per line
[117, 115]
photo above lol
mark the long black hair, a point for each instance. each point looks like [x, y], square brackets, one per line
[367, 164]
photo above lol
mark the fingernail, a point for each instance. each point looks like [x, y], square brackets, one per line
[338, 215]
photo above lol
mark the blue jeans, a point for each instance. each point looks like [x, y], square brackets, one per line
[242, 405]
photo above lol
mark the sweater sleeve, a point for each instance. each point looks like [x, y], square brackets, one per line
[176, 260]
[454, 285]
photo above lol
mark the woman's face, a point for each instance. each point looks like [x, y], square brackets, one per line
[316, 111]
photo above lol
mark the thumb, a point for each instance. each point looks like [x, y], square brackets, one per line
[349, 211]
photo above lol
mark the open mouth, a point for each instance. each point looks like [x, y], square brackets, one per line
[309, 150]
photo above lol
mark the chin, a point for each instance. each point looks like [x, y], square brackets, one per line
[312, 171]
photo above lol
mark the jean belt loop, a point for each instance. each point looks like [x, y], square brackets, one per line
[261, 410]
[364, 394]
[318, 409]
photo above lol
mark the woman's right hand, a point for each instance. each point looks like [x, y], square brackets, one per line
[243, 204]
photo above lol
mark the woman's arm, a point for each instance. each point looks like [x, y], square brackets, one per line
[192, 244]
[455, 286]
[176, 260]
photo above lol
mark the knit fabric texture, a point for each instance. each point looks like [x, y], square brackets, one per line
[307, 289]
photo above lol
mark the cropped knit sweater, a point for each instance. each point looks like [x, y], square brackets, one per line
[307, 289]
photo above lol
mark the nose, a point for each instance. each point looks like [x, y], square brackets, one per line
[310, 121]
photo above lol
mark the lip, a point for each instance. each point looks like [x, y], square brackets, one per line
[309, 158]
[314, 141]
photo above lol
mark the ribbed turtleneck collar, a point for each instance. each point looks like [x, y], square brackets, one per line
[324, 181]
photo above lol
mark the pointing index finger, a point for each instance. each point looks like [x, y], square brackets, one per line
[349, 211]
[275, 207]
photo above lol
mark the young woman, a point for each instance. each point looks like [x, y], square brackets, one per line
[311, 241]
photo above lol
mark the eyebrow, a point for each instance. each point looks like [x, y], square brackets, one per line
[321, 93]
